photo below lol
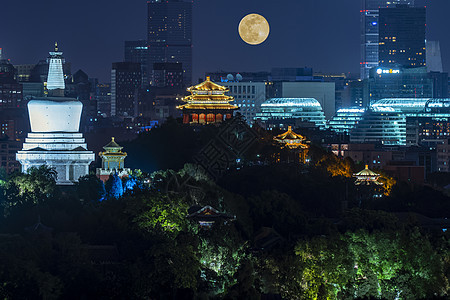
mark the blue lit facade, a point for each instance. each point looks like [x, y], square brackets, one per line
[399, 83]
[399, 121]
[279, 111]
[385, 126]
[346, 119]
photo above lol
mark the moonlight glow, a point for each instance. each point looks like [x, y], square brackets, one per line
[254, 29]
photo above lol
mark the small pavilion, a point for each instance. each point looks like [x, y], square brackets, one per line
[113, 161]
[207, 104]
[367, 177]
[294, 142]
[367, 185]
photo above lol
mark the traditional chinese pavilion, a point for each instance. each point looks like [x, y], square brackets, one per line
[207, 104]
[368, 186]
[367, 177]
[112, 161]
[206, 216]
[295, 142]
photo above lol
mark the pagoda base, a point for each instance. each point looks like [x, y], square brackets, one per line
[206, 118]
[65, 152]
[103, 174]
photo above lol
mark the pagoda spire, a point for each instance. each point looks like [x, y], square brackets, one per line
[55, 79]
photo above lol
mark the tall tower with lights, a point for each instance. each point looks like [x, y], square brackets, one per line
[402, 36]
[169, 35]
[370, 31]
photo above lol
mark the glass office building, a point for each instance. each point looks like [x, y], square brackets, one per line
[277, 111]
[346, 119]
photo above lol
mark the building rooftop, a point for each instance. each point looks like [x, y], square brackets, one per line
[300, 102]
[402, 104]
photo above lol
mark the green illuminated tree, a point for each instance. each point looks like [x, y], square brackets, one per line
[327, 267]
[152, 211]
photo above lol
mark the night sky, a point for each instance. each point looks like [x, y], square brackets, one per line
[322, 34]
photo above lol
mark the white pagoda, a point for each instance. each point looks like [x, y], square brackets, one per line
[54, 139]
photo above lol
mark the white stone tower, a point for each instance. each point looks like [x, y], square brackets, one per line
[54, 139]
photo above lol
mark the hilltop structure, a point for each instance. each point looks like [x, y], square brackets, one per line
[54, 139]
[113, 161]
[295, 143]
[207, 104]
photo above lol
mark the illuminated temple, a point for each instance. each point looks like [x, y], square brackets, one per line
[54, 139]
[367, 177]
[113, 161]
[207, 104]
[294, 142]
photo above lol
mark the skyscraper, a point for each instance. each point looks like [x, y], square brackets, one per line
[137, 52]
[125, 83]
[170, 35]
[369, 31]
[402, 36]
[434, 58]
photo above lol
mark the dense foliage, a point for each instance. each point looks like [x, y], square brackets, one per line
[299, 232]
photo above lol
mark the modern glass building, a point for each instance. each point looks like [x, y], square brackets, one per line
[402, 36]
[399, 83]
[137, 52]
[397, 121]
[169, 35]
[278, 111]
[404, 105]
[125, 82]
[370, 31]
[346, 119]
[383, 125]
[427, 119]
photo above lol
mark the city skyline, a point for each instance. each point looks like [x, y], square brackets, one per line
[93, 40]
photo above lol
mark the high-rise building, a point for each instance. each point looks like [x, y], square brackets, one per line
[402, 36]
[399, 83]
[125, 83]
[10, 90]
[170, 35]
[434, 58]
[103, 97]
[369, 31]
[137, 52]
[168, 75]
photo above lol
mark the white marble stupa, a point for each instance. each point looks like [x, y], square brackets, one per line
[54, 139]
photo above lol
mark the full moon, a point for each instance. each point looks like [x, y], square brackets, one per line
[254, 29]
